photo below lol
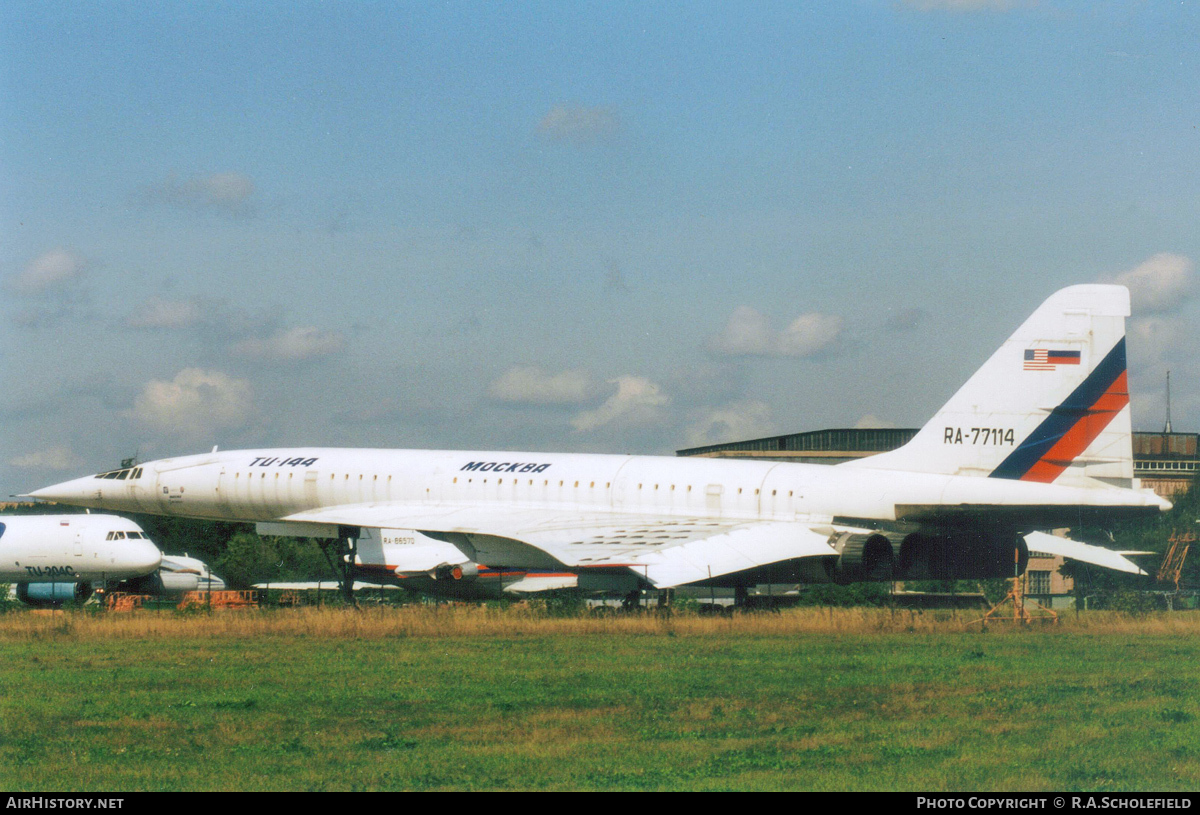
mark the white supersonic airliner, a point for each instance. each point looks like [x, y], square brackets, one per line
[1039, 438]
[60, 558]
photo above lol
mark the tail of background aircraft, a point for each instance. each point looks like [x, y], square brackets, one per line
[1052, 404]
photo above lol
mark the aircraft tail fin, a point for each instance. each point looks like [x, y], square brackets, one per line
[1052, 404]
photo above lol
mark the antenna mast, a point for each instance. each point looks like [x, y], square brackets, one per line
[1167, 428]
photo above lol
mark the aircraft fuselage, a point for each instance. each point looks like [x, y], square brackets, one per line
[270, 484]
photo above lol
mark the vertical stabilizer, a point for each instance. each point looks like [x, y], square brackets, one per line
[1052, 404]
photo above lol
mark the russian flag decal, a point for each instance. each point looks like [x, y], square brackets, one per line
[1046, 359]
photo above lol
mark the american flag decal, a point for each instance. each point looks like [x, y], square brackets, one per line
[1045, 359]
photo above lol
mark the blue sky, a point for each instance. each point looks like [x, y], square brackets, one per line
[595, 227]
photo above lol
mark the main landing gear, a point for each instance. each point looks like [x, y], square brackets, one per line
[347, 551]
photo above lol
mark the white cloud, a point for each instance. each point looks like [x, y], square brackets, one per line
[49, 270]
[1158, 284]
[1154, 339]
[231, 192]
[733, 422]
[530, 384]
[809, 335]
[872, 422]
[637, 402]
[292, 345]
[749, 333]
[54, 458]
[579, 125]
[195, 403]
[159, 313]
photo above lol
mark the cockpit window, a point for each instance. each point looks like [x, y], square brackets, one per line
[123, 474]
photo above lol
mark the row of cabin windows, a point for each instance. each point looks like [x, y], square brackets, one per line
[332, 476]
[136, 472]
[120, 536]
[545, 483]
[608, 484]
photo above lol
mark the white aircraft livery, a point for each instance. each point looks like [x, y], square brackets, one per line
[1038, 438]
[53, 558]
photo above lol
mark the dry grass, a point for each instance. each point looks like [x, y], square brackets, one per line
[463, 697]
[518, 621]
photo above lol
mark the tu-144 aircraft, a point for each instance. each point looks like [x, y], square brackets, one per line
[1039, 438]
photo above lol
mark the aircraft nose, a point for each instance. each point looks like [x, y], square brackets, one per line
[143, 554]
[79, 491]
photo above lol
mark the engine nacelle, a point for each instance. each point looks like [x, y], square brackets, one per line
[864, 556]
[456, 571]
[880, 556]
[53, 595]
[961, 556]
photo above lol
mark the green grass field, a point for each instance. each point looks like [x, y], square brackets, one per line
[478, 699]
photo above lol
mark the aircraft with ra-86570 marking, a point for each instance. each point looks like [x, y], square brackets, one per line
[1039, 438]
